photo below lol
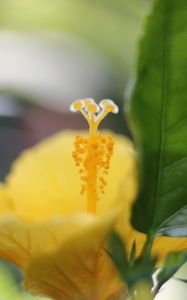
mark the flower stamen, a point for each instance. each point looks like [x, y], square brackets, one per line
[92, 154]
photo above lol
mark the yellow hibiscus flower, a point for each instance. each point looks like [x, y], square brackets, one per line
[57, 234]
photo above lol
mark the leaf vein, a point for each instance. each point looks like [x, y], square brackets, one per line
[150, 111]
[163, 112]
[171, 217]
[172, 192]
[176, 125]
[174, 163]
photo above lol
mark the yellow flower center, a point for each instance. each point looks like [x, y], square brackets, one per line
[92, 154]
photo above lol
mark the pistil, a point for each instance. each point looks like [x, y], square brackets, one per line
[92, 154]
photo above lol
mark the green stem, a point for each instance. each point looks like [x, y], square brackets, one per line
[146, 252]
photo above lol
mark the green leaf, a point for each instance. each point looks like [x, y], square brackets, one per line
[171, 264]
[118, 252]
[130, 271]
[159, 120]
[140, 270]
[133, 253]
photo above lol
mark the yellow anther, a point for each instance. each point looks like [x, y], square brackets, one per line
[77, 105]
[88, 101]
[92, 108]
[103, 140]
[92, 154]
[109, 106]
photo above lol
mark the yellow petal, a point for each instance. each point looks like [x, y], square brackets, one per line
[44, 180]
[6, 205]
[20, 240]
[121, 294]
[164, 245]
[62, 255]
[79, 270]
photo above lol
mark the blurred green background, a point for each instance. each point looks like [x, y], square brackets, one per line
[10, 284]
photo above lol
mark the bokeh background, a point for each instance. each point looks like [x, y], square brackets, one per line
[53, 52]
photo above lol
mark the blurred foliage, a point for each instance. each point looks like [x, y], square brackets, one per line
[136, 270]
[133, 269]
[10, 286]
[110, 26]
